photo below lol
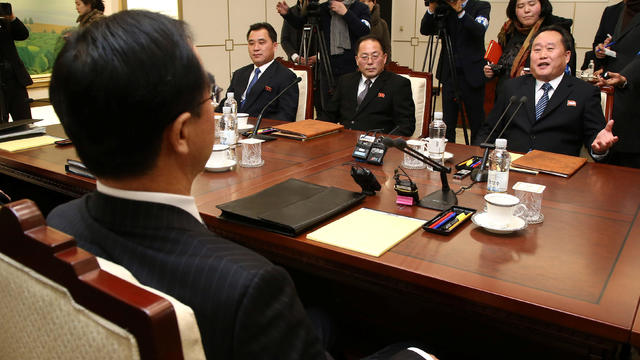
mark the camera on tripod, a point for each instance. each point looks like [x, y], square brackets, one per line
[313, 8]
[443, 8]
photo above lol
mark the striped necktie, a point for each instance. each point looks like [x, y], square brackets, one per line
[544, 100]
[253, 82]
[364, 92]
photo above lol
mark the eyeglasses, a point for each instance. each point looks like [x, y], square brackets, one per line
[211, 97]
[365, 57]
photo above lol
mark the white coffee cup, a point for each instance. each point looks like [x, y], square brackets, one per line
[219, 154]
[501, 208]
[242, 120]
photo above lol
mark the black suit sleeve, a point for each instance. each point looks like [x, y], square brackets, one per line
[354, 19]
[272, 323]
[18, 30]
[632, 72]
[469, 23]
[427, 25]
[289, 39]
[333, 107]
[594, 120]
[404, 109]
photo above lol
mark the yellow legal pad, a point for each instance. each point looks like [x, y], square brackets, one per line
[367, 231]
[27, 143]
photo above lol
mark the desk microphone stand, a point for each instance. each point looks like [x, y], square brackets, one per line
[439, 200]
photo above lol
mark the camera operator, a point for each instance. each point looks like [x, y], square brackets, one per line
[465, 21]
[342, 22]
[14, 77]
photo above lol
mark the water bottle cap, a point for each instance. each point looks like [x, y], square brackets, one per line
[501, 143]
[437, 115]
[230, 95]
[226, 109]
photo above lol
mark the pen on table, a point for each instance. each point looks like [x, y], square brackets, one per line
[441, 219]
[459, 222]
[442, 222]
[476, 163]
[450, 223]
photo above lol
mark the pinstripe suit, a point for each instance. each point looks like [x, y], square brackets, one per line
[246, 307]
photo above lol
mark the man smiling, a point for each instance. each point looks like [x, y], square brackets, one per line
[256, 84]
[371, 98]
[562, 112]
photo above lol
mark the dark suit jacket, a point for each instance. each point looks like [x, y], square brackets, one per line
[246, 307]
[389, 103]
[573, 117]
[467, 40]
[9, 32]
[608, 22]
[626, 112]
[270, 83]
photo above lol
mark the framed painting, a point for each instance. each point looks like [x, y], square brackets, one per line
[47, 21]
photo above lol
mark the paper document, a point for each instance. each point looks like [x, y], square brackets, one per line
[367, 231]
[27, 143]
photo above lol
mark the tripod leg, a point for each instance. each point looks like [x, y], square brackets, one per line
[456, 85]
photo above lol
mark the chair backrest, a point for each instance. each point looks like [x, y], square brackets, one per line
[305, 89]
[606, 98]
[56, 302]
[421, 84]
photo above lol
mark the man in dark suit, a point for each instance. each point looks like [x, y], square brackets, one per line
[562, 112]
[624, 74]
[146, 148]
[255, 85]
[608, 21]
[466, 22]
[14, 77]
[372, 98]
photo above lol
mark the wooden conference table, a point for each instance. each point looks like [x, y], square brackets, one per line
[577, 271]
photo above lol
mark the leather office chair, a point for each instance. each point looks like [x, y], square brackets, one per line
[56, 302]
[305, 88]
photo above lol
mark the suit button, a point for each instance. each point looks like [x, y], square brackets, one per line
[353, 122]
[533, 137]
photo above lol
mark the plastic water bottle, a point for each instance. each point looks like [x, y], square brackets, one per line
[499, 162]
[437, 138]
[228, 128]
[232, 103]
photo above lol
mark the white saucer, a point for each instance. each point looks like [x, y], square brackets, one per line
[246, 127]
[514, 224]
[448, 156]
[225, 166]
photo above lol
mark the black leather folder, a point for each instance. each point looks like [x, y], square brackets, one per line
[290, 207]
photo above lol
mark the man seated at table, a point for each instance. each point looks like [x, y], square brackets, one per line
[146, 134]
[561, 112]
[372, 98]
[256, 84]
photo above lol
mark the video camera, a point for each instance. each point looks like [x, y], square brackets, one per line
[313, 8]
[443, 8]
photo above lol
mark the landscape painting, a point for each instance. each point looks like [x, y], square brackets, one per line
[47, 21]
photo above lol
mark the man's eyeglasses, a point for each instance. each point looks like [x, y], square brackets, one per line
[365, 57]
[211, 97]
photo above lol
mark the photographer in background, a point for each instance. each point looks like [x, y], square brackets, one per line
[342, 22]
[14, 77]
[465, 21]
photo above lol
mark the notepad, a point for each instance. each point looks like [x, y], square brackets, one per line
[28, 143]
[367, 231]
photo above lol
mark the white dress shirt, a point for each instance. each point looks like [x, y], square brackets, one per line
[262, 68]
[186, 203]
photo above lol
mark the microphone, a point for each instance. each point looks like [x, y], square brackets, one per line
[255, 134]
[522, 101]
[512, 100]
[481, 174]
[440, 199]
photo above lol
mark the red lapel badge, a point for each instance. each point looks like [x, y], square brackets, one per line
[381, 95]
[571, 103]
[268, 88]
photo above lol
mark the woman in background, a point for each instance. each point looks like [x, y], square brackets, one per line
[89, 11]
[525, 17]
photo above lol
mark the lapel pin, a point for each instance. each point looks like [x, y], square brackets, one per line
[571, 103]
[268, 88]
[381, 95]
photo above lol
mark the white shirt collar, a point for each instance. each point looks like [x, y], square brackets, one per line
[554, 83]
[364, 78]
[186, 203]
[263, 67]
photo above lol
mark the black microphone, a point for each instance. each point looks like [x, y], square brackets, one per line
[512, 100]
[255, 134]
[522, 101]
[440, 199]
[480, 174]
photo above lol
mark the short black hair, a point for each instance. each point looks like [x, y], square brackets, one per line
[266, 26]
[545, 9]
[118, 84]
[95, 4]
[373, 38]
[567, 39]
